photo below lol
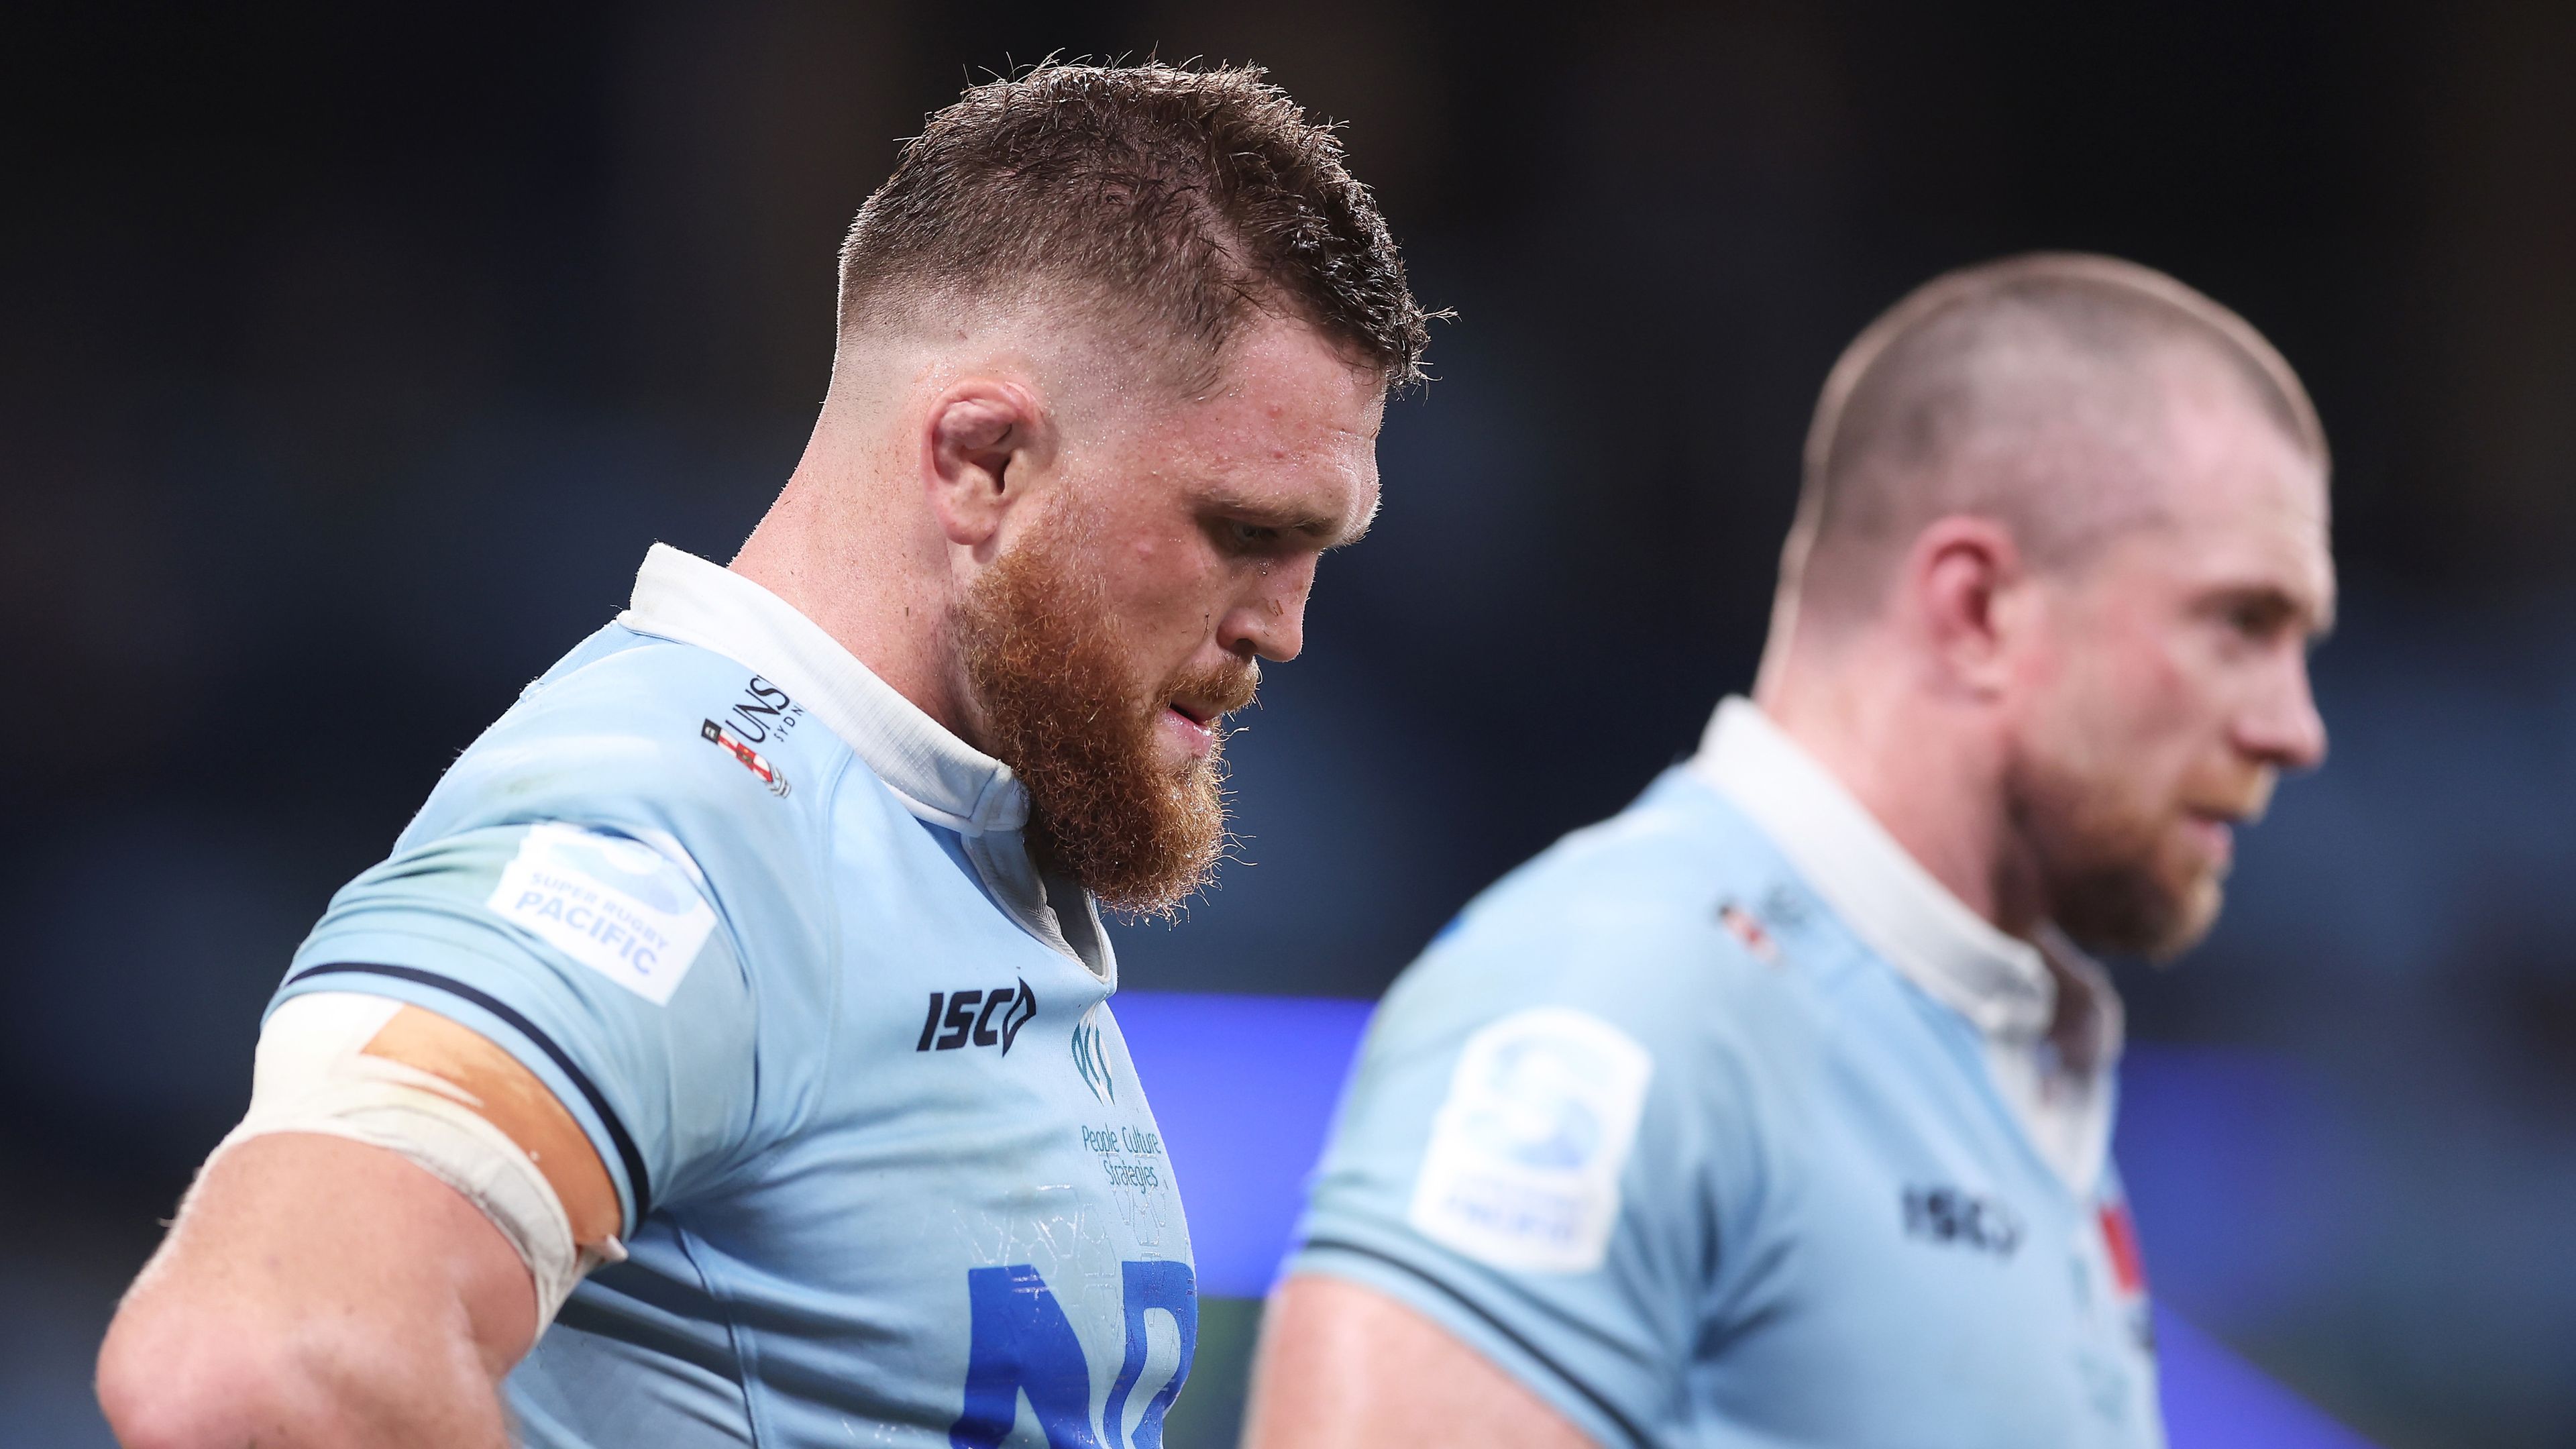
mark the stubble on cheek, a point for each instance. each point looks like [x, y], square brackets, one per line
[2100, 792]
[2118, 871]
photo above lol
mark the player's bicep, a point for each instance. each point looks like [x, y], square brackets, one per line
[512, 1098]
[453, 1105]
[1342, 1366]
[300, 1227]
[319, 1290]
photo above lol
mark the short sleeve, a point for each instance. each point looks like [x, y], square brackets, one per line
[594, 958]
[1543, 1161]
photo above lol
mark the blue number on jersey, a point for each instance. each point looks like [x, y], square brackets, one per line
[1023, 1343]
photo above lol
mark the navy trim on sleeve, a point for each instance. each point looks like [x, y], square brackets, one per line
[1636, 1435]
[625, 1145]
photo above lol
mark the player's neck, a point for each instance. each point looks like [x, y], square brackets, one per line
[1931, 778]
[849, 569]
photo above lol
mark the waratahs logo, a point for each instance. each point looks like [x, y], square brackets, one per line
[1091, 1056]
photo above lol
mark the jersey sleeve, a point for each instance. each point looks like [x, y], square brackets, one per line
[594, 958]
[1545, 1150]
[638, 918]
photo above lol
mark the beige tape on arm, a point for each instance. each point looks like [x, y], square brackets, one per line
[313, 1074]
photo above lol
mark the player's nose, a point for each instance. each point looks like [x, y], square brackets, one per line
[2284, 727]
[1267, 619]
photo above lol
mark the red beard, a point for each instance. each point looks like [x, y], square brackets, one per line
[1042, 656]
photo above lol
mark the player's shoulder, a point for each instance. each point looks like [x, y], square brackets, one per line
[1642, 892]
[665, 741]
[1648, 920]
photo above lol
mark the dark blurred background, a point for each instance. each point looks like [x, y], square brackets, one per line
[351, 356]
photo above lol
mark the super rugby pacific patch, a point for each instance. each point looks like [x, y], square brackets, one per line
[615, 905]
[1527, 1150]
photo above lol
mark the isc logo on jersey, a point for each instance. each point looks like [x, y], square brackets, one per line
[989, 1017]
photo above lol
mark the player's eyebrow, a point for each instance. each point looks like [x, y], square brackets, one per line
[1327, 530]
[2312, 616]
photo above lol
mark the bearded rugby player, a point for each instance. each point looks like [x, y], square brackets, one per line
[1775, 1110]
[724, 1055]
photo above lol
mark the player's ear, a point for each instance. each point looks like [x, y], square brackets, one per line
[983, 442]
[1965, 576]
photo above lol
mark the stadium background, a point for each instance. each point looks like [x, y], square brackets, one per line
[351, 356]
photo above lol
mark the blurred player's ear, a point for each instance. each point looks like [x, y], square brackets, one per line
[984, 442]
[1961, 580]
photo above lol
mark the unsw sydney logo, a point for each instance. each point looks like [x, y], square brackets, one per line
[764, 710]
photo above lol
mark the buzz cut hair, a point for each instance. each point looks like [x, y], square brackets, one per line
[2033, 390]
[1174, 203]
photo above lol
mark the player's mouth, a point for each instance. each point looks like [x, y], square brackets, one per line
[2210, 817]
[1190, 726]
[2214, 831]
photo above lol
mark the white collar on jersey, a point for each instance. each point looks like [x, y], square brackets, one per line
[938, 777]
[2053, 1067]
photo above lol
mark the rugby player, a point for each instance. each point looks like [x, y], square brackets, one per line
[738, 1004]
[1774, 1111]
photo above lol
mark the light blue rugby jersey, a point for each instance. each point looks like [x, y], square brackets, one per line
[773, 937]
[1715, 1142]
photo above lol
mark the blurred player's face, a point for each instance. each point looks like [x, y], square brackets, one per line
[1121, 625]
[2169, 686]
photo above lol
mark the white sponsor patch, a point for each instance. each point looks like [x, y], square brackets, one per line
[1526, 1152]
[616, 906]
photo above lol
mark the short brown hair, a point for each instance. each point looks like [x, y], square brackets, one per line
[1180, 199]
[1960, 399]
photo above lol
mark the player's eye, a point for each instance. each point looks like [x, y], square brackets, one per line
[1246, 537]
[2256, 618]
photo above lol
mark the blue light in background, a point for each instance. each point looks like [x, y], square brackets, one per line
[1243, 1088]
[2215, 1400]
